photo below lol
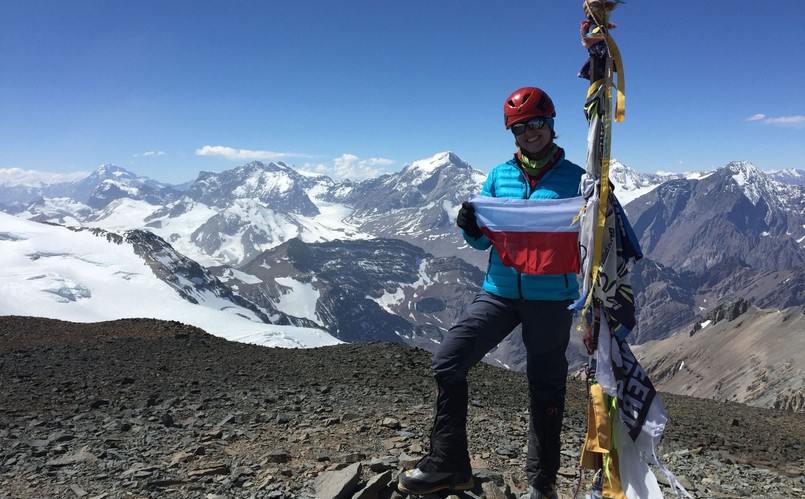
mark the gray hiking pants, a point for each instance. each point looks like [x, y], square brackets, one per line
[484, 324]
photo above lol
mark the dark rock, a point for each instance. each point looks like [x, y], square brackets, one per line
[78, 491]
[78, 457]
[60, 436]
[374, 486]
[337, 484]
[278, 457]
[219, 469]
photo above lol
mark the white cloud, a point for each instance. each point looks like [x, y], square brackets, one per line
[795, 121]
[18, 176]
[246, 154]
[347, 166]
[788, 120]
[147, 154]
[352, 167]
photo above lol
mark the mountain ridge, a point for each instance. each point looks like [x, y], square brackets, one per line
[708, 238]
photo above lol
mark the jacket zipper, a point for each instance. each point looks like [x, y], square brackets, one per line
[520, 274]
[527, 195]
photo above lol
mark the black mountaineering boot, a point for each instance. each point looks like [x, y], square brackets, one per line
[418, 482]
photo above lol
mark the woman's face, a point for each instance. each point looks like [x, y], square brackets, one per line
[534, 141]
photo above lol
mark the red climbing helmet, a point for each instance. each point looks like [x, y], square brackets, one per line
[527, 103]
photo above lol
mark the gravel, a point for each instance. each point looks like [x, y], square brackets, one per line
[146, 408]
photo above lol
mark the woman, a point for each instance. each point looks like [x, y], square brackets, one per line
[510, 297]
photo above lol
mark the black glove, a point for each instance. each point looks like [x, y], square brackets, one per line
[466, 220]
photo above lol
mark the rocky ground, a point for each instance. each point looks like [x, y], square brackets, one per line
[144, 408]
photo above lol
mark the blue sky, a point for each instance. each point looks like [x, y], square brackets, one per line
[357, 88]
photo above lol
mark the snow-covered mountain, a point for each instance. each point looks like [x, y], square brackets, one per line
[230, 217]
[686, 222]
[630, 185]
[379, 259]
[88, 275]
[110, 182]
[379, 289]
[418, 204]
[736, 212]
[19, 188]
[791, 176]
[275, 185]
[99, 188]
[370, 290]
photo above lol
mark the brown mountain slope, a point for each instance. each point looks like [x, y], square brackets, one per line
[755, 358]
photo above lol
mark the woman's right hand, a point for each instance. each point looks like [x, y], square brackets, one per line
[466, 220]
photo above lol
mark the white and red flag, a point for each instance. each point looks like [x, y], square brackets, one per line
[534, 236]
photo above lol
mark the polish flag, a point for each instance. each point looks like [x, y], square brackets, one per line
[534, 236]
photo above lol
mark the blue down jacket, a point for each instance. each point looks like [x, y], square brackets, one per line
[509, 181]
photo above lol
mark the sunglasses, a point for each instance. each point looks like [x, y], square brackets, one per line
[534, 124]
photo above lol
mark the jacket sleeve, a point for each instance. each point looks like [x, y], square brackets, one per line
[483, 242]
[489, 185]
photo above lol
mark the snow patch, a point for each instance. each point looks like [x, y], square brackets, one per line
[63, 289]
[300, 300]
[81, 277]
[430, 165]
[387, 300]
[230, 274]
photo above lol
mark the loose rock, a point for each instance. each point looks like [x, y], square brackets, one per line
[248, 421]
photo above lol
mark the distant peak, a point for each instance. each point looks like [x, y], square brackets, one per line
[743, 166]
[450, 157]
[744, 172]
[754, 182]
[447, 155]
[108, 167]
[270, 166]
[437, 161]
[793, 172]
[108, 170]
